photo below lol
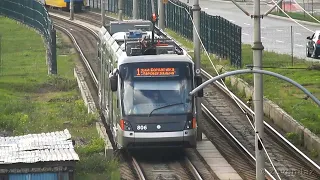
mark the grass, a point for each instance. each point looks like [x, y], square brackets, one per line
[299, 16]
[33, 102]
[287, 96]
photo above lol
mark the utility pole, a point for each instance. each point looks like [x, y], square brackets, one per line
[258, 91]
[71, 10]
[120, 7]
[135, 9]
[161, 21]
[103, 16]
[196, 46]
[258, 84]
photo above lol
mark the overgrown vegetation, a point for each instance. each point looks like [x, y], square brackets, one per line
[288, 97]
[33, 102]
[294, 138]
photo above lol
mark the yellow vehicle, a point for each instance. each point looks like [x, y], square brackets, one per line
[65, 4]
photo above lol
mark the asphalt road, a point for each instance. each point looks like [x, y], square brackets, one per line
[275, 33]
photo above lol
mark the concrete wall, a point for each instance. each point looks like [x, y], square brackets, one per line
[89, 102]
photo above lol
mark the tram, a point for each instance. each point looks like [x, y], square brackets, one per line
[144, 87]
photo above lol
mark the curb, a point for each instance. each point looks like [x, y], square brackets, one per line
[287, 19]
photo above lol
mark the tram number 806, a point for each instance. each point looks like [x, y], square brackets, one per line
[142, 127]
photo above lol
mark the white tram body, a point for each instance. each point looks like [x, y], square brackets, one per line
[144, 87]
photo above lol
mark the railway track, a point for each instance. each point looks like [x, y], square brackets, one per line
[221, 110]
[78, 34]
[83, 16]
[289, 162]
[165, 165]
[84, 40]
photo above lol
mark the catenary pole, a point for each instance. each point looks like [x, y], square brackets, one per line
[161, 14]
[103, 16]
[258, 84]
[196, 45]
[258, 91]
[71, 10]
[135, 9]
[120, 8]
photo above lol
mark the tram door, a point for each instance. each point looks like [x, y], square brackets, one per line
[115, 102]
[102, 81]
[110, 97]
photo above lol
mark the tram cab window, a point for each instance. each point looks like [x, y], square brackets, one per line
[142, 97]
[160, 95]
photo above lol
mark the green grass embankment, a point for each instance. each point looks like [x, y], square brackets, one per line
[33, 102]
[299, 16]
[287, 96]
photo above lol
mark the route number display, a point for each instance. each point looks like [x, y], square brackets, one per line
[156, 72]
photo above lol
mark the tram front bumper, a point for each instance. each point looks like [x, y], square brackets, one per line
[131, 139]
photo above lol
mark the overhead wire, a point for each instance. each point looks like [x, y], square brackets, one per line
[291, 17]
[306, 11]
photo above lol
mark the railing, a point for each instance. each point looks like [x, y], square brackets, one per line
[34, 14]
[218, 35]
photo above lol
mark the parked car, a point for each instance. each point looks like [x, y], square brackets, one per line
[313, 45]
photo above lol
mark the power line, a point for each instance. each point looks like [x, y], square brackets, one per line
[306, 12]
[275, 3]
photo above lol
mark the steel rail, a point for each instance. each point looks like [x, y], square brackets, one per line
[86, 62]
[193, 170]
[138, 169]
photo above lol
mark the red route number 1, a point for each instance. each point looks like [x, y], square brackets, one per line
[138, 71]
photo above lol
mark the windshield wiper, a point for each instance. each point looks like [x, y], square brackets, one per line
[165, 107]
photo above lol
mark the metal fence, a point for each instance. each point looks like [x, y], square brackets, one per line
[289, 40]
[218, 35]
[34, 14]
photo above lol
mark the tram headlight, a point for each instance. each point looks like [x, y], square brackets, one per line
[191, 124]
[125, 125]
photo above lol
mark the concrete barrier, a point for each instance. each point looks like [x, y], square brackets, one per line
[89, 102]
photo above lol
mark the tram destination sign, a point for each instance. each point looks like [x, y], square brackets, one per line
[156, 72]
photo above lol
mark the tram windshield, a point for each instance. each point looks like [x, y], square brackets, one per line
[157, 89]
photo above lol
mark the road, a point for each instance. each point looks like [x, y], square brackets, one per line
[276, 33]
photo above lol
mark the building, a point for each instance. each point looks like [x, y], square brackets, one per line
[45, 156]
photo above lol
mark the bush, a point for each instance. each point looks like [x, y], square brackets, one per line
[96, 145]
